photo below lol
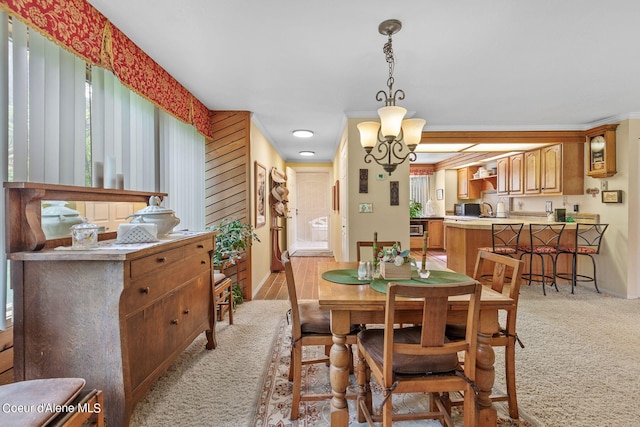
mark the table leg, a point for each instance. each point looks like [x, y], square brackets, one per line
[339, 369]
[485, 371]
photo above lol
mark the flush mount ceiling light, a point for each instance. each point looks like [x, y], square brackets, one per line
[394, 139]
[307, 153]
[302, 133]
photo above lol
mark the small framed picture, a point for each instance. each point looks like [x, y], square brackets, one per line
[365, 207]
[439, 194]
[614, 196]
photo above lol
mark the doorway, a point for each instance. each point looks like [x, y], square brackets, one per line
[311, 214]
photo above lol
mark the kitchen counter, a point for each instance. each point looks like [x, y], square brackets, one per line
[464, 235]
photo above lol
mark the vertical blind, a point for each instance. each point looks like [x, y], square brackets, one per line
[4, 160]
[182, 170]
[59, 116]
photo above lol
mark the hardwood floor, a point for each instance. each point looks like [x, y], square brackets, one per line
[306, 276]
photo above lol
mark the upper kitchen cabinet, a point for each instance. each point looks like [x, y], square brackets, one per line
[516, 174]
[554, 170]
[532, 172]
[502, 181]
[466, 188]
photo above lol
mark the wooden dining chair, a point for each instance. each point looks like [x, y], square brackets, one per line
[416, 359]
[310, 326]
[505, 271]
[369, 244]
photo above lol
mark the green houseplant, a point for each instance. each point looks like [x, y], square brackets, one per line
[415, 209]
[232, 241]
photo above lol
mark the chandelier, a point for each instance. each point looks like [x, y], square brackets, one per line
[391, 141]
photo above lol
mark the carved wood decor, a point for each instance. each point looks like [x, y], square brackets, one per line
[227, 183]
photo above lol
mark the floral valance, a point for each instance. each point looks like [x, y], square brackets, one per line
[421, 170]
[81, 29]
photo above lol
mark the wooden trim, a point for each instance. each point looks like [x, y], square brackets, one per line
[498, 137]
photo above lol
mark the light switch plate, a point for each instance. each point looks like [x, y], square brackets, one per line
[548, 206]
[604, 185]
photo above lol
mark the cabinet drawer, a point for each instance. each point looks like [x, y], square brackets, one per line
[145, 291]
[204, 245]
[148, 264]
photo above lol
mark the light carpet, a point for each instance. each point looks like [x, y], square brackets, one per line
[274, 405]
[216, 387]
[580, 366]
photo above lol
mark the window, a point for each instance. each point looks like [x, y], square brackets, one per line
[62, 115]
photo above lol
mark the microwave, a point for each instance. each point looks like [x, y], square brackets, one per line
[466, 209]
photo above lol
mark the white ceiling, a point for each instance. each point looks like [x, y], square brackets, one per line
[464, 65]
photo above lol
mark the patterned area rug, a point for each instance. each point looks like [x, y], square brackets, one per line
[274, 404]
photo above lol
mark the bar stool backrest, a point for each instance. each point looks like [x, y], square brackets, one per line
[589, 236]
[545, 235]
[505, 237]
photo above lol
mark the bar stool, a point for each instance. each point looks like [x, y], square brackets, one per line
[504, 239]
[544, 239]
[587, 242]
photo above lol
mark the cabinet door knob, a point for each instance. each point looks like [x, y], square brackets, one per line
[163, 259]
[200, 246]
[174, 322]
[144, 290]
[186, 311]
[203, 262]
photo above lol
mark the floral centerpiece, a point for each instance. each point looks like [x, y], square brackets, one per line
[394, 263]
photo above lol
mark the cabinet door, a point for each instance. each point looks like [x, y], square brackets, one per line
[502, 184]
[532, 172]
[463, 183]
[145, 342]
[436, 233]
[551, 169]
[516, 174]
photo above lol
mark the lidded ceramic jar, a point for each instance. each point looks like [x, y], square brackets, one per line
[84, 235]
[164, 218]
[57, 219]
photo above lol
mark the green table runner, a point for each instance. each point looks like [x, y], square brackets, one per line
[344, 277]
[436, 277]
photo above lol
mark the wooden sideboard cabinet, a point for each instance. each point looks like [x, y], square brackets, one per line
[116, 317]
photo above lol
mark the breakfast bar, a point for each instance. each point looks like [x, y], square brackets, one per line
[464, 235]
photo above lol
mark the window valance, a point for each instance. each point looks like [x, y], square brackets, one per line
[81, 29]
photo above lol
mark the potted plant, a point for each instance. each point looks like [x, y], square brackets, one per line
[232, 241]
[415, 209]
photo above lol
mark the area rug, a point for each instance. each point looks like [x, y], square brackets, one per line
[274, 404]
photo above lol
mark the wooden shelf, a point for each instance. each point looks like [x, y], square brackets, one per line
[486, 178]
[24, 210]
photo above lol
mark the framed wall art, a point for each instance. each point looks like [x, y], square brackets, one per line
[394, 193]
[261, 194]
[364, 181]
[365, 207]
[614, 196]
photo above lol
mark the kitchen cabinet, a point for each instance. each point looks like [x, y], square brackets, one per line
[502, 180]
[436, 233]
[516, 174]
[532, 172]
[435, 228]
[551, 169]
[468, 189]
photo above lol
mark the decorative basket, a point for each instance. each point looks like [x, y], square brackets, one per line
[389, 271]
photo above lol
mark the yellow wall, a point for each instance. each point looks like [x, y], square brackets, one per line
[263, 152]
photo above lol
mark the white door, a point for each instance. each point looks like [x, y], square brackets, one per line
[292, 215]
[313, 208]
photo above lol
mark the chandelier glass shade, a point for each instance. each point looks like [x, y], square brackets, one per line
[394, 139]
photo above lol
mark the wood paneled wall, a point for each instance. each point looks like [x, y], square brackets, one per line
[227, 185]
